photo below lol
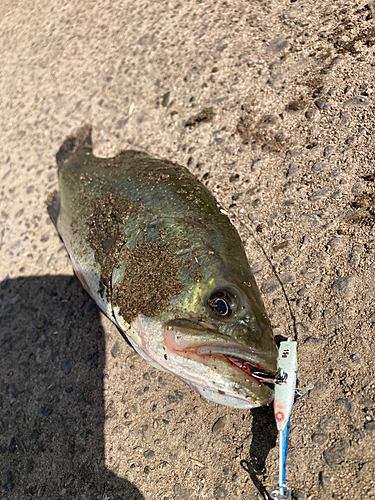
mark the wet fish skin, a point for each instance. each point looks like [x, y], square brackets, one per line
[160, 257]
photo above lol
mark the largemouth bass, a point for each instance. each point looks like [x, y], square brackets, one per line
[160, 257]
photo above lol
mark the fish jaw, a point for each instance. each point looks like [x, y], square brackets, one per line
[205, 360]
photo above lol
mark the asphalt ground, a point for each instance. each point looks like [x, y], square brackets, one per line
[287, 144]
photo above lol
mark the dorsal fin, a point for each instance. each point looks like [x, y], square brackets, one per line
[72, 143]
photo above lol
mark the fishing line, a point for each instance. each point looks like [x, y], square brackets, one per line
[278, 279]
[294, 323]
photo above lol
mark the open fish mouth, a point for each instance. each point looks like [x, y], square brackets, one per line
[193, 340]
[241, 359]
[253, 371]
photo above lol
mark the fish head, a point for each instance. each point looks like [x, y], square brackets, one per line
[217, 339]
[229, 342]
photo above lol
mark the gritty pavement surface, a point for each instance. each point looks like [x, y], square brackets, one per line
[271, 105]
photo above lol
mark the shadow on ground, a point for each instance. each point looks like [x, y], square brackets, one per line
[264, 439]
[52, 357]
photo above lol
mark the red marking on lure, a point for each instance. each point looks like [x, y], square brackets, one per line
[279, 416]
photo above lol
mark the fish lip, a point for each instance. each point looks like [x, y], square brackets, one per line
[254, 362]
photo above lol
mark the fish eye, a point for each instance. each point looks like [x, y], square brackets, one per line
[221, 303]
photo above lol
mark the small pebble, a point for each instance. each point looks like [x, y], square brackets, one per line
[46, 410]
[320, 166]
[220, 492]
[370, 426]
[234, 177]
[318, 195]
[67, 367]
[177, 397]
[354, 358]
[358, 434]
[220, 100]
[165, 100]
[205, 115]
[292, 170]
[180, 493]
[170, 414]
[345, 403]
[319, 439]
[328, 423]
[140, 392]
[357, 101]
[344, 117]
[270, 285]
[334, 242]
[34, 435]
[336, 453]
[68, 480]
[218, 425]
[12, 445]
[328, 150]
[366, 402]
[115, 350]
[309, 220]
[298, 495]
[258, 163]
[332, 322]
[345, 286]
[359, 188]
[323, 104]
[9, 484]
[313, 341]
[278, 45]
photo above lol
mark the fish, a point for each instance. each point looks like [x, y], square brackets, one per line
[162, 260]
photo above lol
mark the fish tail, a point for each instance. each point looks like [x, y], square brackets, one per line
[72, 143]
[53, 206]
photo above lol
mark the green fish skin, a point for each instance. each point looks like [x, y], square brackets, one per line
[160, 257]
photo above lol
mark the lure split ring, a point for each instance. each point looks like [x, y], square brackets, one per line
[280, 493]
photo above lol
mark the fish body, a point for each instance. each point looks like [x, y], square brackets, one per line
[160, 257]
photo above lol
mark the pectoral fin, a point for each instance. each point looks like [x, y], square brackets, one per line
[53, 206]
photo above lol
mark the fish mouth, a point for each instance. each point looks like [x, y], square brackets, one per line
[241, 358]
[201, 341]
